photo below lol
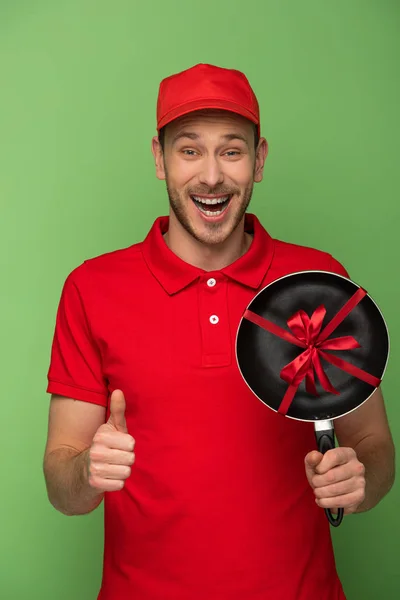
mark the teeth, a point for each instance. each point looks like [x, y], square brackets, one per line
[211, 200]
[212, 213]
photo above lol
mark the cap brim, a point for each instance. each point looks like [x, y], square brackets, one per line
[205, 104]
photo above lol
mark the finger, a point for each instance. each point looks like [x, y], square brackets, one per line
[335, 475]
[117, 411]
[345, 501]
[115, 440]
[105, 471]
[333, 458]
[106, 485]
[311, 461]
[340, 489]
[101, 454]
[351, 509]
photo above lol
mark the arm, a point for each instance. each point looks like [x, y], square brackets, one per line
[358, 474]
[72, 427]
[365, 460]
[84, 456]
[366, 431]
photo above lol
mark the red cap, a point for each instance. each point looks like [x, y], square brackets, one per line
[205, 86]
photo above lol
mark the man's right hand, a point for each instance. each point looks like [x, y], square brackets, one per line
[111, 455]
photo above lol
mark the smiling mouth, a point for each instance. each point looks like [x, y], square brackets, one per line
[212, 206]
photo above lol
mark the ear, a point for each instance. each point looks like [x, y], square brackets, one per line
[261, 155]
[158, 157]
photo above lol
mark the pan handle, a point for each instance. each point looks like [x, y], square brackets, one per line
[326, 441]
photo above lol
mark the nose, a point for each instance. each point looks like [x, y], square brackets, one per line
[211, 172]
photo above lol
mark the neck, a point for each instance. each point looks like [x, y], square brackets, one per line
[211, 257]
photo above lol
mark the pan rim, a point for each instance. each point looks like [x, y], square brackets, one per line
[300, 273]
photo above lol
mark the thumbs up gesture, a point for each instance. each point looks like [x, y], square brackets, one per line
[111, 453]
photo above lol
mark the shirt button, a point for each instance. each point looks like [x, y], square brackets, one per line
[211, 282]
[214, 319]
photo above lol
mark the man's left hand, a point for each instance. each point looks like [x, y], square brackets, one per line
[337, 478]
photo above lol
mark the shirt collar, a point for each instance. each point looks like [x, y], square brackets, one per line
[174, 274]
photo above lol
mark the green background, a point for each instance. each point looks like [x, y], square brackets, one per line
[78, 81]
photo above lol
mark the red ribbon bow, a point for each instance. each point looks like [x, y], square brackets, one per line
[306, 333]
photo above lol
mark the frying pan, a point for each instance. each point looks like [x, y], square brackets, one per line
[290, 360]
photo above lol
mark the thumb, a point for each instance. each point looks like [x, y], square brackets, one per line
[117, 411]
[311, 462]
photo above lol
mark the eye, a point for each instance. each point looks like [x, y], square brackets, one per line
[230, 153]
[189, 152]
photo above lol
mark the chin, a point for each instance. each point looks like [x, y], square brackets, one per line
[214, 235]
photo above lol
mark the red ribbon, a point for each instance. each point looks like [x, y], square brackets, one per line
[306, 333]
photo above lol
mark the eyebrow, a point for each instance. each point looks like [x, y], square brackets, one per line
[194, 136]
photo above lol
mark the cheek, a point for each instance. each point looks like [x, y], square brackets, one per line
[181, 173]
[240, 173]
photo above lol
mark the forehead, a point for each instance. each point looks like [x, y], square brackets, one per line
[206, 121]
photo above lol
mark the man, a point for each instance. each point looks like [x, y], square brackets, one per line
[208, 494]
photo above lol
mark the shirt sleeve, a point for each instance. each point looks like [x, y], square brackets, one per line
[337, 267]
[75, 367]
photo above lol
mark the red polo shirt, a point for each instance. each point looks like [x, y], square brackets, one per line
[217, 506]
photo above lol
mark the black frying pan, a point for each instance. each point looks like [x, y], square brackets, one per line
[276, 345]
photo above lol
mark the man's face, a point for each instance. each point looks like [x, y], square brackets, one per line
[210, 165]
